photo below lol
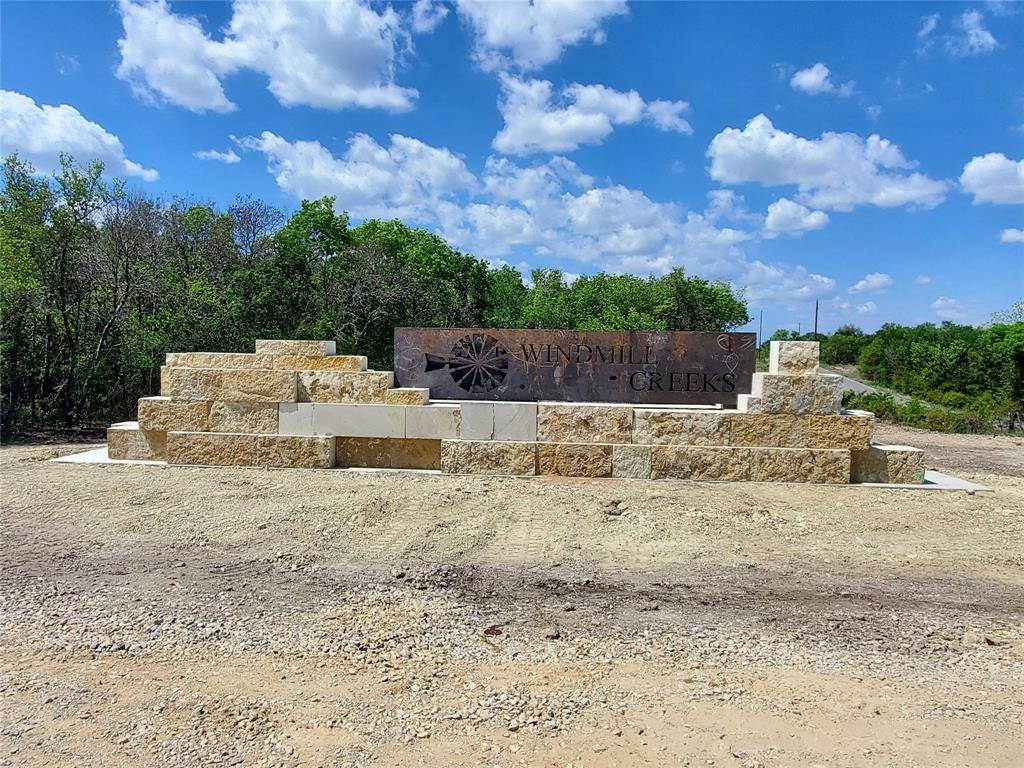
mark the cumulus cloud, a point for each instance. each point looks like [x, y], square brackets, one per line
[836, 171]
[867, 308]
[404, 179]
[994, 178]
[876, 282]
[948, 309]
[332, 54]
[1011, 235]
[923, 279]
[39, 133]
[230, 157]
[529, 35]
[786, 217]
[537, 121]
[817, 79]
[513, 212]
[427, 14]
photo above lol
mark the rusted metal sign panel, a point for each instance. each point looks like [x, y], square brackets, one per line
[583, 366]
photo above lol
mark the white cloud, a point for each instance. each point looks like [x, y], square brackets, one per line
[530, 35]
[948, 309]
[65, 63]
[404, 179]
[817, 79]
[867, 308]
[928, 25]
[667, 116]
[332, 54]
[876, 282]
[1011, 235]
[229, 157]
[923, 279]
[40, 133]
[583, 114]
[786, 217]
[994, 178]
[552, 209]
[427, 14]
[971, 38]
[836, 171]
[873, 111]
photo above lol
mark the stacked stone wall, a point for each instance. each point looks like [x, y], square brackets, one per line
[298, 404]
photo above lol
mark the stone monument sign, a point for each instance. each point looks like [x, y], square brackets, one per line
[581, 366]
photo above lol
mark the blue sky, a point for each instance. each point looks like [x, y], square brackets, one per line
[870, 156]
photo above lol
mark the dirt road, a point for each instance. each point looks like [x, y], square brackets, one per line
[183, 616]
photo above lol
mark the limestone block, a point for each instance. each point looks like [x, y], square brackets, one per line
[771, 430]
[700, 462]
[434, 421]
[797, 358]
[125, 441]
[357, 420]
[218, 360]
[407, 396]
[232, 385]
[164, 386]
[295, 347]
[631, 461]
[165, 414]
[574, 459]
[515, 421]
[477, 420]
[887, 464]
[217, 449]
[318, 362]
[654, 426]
[387, 453]
[295, 418]
[748, 404]
[243, 417]
[574, 423]
[843, 430]
[343, 387]
[787, 393]
[488, 457]
[294, 451]
[799, 465]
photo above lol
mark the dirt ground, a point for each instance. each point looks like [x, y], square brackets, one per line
[158, 616]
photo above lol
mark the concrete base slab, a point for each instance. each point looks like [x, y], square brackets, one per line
[99, 456]
[933, 480]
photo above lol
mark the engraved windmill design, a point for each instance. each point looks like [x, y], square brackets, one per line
[477, 363]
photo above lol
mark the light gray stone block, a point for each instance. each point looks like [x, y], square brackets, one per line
[631, 461]
[295, 347]
[432, 422]
[515, 421]
[295, 418]
[748, 404]
[799, 394]
[797, 358]
[358, 420]
[477, 420]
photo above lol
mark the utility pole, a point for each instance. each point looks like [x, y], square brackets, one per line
[760, 327]
[815, 317]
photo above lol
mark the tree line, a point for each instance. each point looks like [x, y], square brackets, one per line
[960, 378]
[98, 282]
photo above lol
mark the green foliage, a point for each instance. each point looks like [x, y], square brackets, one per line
[96, 284]
[981, 414]
[624, 302]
